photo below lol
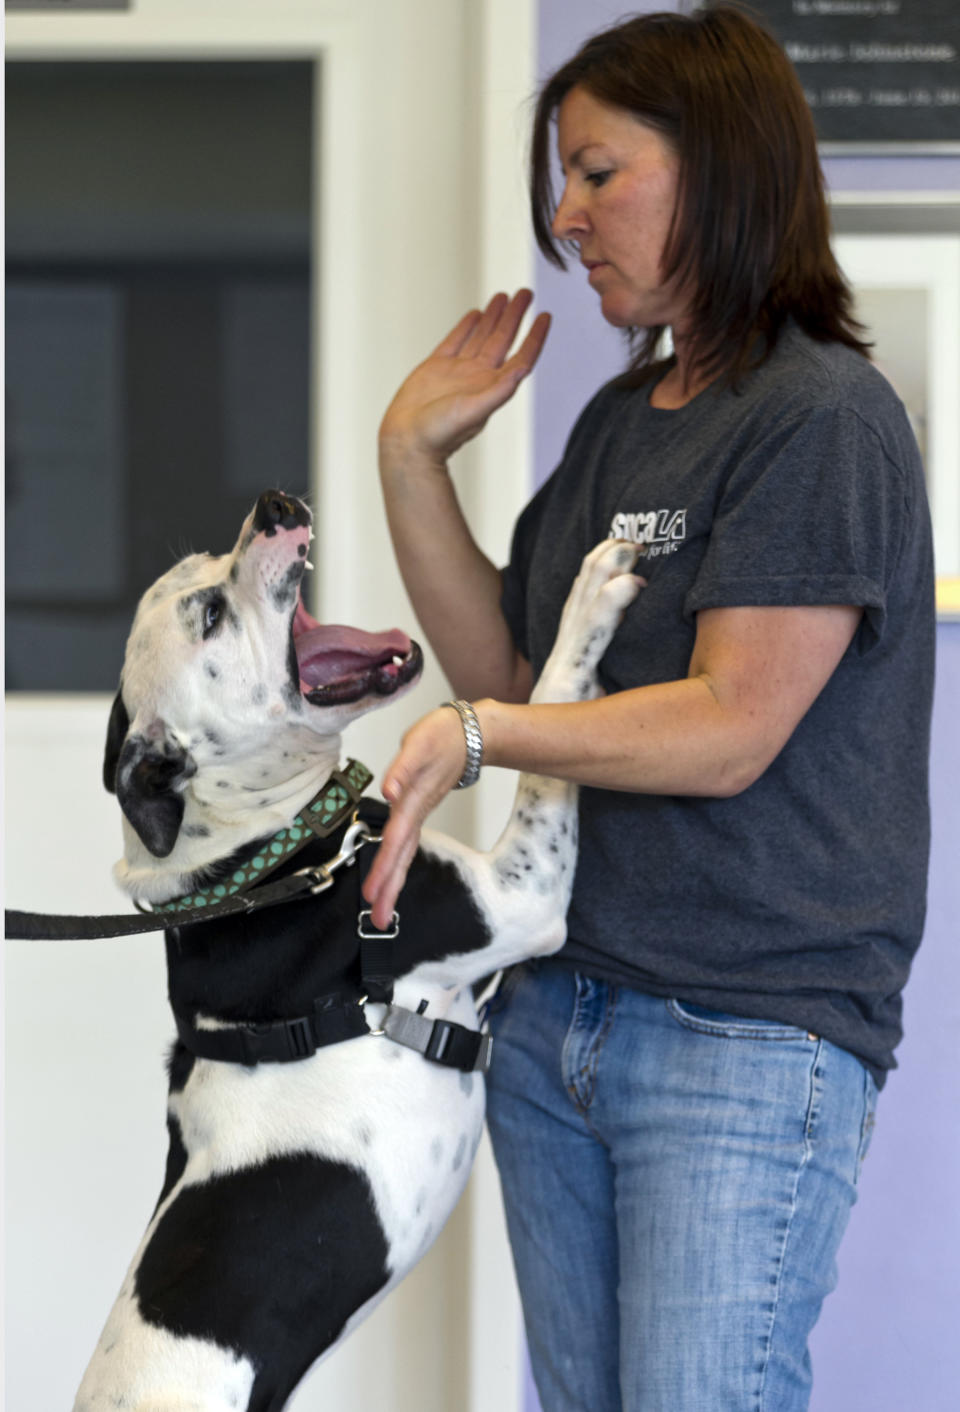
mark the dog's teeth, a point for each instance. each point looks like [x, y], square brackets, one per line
[398, 661]
[307, 564]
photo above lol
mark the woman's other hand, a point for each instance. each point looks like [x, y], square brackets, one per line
[448, 398]
[431, 759]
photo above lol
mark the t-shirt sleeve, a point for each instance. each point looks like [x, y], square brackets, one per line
[813, 515]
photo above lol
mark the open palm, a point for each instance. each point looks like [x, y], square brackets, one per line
[447, 399]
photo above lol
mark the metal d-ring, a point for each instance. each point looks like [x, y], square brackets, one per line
[378, 1033]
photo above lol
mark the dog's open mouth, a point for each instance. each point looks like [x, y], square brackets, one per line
[339, 664]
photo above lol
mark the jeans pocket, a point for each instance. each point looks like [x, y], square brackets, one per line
[726, 1026]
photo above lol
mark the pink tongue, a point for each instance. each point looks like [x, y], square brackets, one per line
[331, 652]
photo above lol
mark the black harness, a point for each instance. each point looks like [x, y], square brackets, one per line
[342, 815]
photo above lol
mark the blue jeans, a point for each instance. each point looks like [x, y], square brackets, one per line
[676, 1184]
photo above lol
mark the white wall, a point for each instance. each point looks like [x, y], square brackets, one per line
[419, 157]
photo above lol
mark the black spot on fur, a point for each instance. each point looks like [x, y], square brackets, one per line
[212, 670]
[196, 831]
[283, 594]
[179, 1065]
[311, 1223]
[259, 695]
[176, 1160]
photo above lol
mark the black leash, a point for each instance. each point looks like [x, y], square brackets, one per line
[50, 926]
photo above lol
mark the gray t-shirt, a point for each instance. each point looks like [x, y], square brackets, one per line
[802, 898]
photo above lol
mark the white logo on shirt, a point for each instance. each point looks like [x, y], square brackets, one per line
[660, 531]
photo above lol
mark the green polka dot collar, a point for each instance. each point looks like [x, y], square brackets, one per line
[325, 813]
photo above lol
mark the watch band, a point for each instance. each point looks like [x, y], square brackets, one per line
[474, 740]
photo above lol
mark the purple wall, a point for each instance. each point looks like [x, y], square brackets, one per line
[887, 1339]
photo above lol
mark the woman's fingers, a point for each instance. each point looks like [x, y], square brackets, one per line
[450, 346]
[448, 398]
[500, 337]
[490, 336]
[430, 762]
[532, 346]
[474, 345]
[385, 880]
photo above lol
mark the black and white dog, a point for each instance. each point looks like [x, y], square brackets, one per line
[297, 1194]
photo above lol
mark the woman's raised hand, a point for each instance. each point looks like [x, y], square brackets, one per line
[447, 399]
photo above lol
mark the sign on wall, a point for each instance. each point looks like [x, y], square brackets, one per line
[879, 74]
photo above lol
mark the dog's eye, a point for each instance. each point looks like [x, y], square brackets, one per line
[212, 613]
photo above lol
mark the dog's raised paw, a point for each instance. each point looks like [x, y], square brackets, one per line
[603, 590]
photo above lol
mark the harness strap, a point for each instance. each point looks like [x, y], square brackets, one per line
[442, 1041]
[332, 1020]
[378, 964]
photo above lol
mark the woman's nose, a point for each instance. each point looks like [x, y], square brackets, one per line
[569, 220]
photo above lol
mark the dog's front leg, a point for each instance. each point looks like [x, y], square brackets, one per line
[522, 887]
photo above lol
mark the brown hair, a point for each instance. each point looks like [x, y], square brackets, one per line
[750, 230]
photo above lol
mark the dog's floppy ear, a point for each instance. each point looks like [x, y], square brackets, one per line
[150, 776]
[117, 728]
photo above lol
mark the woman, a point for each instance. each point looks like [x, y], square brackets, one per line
[682, 1098]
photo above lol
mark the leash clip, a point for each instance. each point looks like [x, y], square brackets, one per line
[319, 878]
[356, 836]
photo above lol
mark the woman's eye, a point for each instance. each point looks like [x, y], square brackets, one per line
[598, 178]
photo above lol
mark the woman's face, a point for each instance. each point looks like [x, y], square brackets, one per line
[620, 190]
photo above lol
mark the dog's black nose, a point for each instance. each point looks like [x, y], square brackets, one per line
[275, 508]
